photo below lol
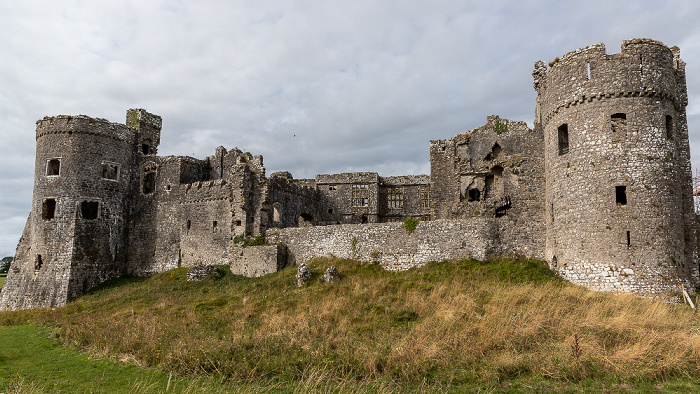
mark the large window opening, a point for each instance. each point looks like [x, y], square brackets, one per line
[563, 133]
[360, 195]
[621, 195]
[474, 195]
[669, 127]
[424, 196]
[395, 197]
[89, 209]
[148, 185]
[48, 209]
[53, 167]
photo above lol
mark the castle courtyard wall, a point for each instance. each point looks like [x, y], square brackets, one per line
[390, 245]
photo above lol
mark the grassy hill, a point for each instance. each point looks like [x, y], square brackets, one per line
[507, 324]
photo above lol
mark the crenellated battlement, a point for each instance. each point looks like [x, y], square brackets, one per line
[81, 124]
[643, 68]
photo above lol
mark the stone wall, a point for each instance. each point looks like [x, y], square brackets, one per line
[390, 245]
[255, 261]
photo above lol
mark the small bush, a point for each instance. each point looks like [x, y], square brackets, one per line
[410, 224]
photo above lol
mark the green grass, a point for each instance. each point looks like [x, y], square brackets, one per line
[2, 279]
[31, 362]
[506, 325]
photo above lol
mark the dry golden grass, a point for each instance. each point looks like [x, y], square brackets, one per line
[450, 323]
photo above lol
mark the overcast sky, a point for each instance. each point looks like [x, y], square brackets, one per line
[320, 86]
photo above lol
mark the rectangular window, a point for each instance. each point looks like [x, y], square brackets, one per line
[669, 127]
[332, 187]
[48, 209]
[395, 197]
[618, 123]
[621, 195]
[89, 209]
[629, 240]
[360, 195]
[53, 167]
[110, 171]
[424, 196]
[563, 133]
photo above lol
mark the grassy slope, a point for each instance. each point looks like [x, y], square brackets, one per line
[504, 324]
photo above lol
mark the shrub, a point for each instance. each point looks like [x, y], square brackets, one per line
[410, 224]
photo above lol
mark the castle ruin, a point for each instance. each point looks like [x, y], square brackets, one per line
[600, 188]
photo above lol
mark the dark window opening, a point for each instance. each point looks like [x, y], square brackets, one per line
[554, 262]
[215, 225]
[53, 167]
[365, 219]
[48, 208]
[494, 152]
[669, 127]
[305, 220]
[563, 133]
[502, 206]
[89, 209]
[145, 148]
[629, 242]
[332, 187]
[474, 195]
[189, 224]
[238, 223]
[621, 195]
[551, 212]
[149, 183]
[110, 171]
[330, 210]
[618, 123]
[38, 262]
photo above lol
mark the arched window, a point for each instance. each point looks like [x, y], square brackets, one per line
[276, 212]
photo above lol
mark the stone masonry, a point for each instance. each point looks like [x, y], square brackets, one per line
[600, 188]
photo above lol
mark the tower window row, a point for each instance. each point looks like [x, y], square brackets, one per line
[618, 129]
[110, 171]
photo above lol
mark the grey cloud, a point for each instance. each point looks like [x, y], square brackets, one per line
[314, 86]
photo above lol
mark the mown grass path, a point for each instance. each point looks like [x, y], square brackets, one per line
[31, 362]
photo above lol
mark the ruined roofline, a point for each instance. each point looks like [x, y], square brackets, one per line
[490, 122]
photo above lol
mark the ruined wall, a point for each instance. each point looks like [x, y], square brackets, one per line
[294, 203]
[255, 261]
[354, 196]
[402, 197]
[390, 245]
[618, 198]
[495, 171]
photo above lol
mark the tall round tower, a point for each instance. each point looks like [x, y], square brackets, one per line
[74, 238]
[619, 209]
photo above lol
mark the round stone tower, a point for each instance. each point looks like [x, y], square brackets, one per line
[75, 235]
[619, 208]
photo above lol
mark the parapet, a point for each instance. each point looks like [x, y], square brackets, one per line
[348, 177]
[81, 124]
[643, 68]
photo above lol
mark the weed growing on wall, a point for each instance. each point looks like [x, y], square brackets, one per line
[500, 126]
[410, 224]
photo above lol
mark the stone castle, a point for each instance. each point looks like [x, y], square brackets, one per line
[600, 188]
